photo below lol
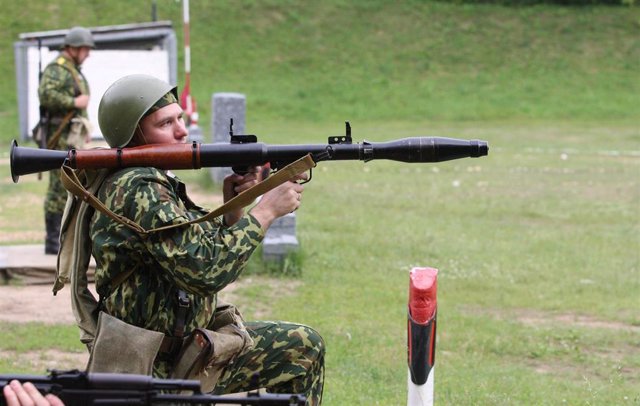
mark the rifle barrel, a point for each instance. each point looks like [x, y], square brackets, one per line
[79, 388]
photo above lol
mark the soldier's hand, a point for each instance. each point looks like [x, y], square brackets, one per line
[81, 102]
[235, 184]
[278, 202]
[17, 394]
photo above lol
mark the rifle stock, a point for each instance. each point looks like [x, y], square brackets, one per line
[79, 388]
[243, 151]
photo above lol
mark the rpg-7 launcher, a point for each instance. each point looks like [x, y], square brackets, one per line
[77, 388]
[243, 151]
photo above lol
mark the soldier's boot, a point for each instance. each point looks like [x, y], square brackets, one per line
[52, 239]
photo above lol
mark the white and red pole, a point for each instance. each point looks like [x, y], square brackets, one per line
[421, 335]
[187, 102]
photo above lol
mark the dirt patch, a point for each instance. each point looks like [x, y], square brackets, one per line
[22, 304]
[540, 318]
[530, 317]
[612, 361]
[46, 359]
[36, 303]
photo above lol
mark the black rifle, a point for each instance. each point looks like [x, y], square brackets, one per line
[243, 151]
[106, 389]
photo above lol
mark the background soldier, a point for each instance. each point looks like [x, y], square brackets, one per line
[167, 281]
[64, 97]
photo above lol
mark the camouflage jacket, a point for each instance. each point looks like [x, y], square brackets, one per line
[200, 259]
[61, 82]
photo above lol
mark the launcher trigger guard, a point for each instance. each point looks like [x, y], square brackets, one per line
[302, 182]
[321, 156]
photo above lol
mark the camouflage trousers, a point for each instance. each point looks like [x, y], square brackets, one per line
[56, 196]
[287, 358]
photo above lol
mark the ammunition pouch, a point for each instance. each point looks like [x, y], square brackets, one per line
[79, 131]
[205, 353]
[120, 347]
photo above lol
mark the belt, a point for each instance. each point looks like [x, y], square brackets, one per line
[56, 120]
[169, 348]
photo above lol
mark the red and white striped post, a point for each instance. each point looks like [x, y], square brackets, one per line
[421, 335]
[186, 101]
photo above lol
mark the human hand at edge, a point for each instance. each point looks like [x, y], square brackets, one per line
[17, 394]
[81, 102]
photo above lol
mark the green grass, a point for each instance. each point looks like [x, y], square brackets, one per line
[527, 233]
[28, 348]
[537, 248]
[537, 244]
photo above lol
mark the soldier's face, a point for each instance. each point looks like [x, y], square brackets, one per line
[80, 54]
[165, 126]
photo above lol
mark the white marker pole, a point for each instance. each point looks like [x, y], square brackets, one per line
[186, 99]
[421, 335]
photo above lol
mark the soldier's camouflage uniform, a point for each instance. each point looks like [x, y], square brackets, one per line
[200, 259]
[60, 84]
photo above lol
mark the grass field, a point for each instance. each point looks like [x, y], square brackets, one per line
[537, 244]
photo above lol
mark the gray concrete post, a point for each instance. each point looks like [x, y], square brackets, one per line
[224, 107]
[280, 238]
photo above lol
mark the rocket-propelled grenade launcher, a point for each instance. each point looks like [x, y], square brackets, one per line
[244, 151]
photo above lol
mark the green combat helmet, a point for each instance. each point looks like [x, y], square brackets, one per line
[125, 102]
[79, 37]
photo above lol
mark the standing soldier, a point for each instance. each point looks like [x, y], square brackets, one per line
[64, 97]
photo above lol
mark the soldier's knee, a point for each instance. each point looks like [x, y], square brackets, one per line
[315, 342]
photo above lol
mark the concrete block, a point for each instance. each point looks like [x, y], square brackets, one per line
[224, 107]
[280, 238]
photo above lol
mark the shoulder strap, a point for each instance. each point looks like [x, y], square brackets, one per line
[51, 143]
[65, 63]
[74, 257]
[71, 182]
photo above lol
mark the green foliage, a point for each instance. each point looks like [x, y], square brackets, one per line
[289, 266]
[536, 2]
[379, 60]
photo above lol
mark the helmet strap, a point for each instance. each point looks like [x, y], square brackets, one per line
[72, 53]
[137, 135]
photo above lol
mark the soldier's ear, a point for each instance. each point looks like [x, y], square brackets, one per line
[138, 137]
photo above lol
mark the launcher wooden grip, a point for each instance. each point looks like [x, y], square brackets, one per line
[163, 156]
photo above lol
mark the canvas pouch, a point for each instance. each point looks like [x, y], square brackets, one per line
[120, 347]
[79, 131]
[205, 353]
